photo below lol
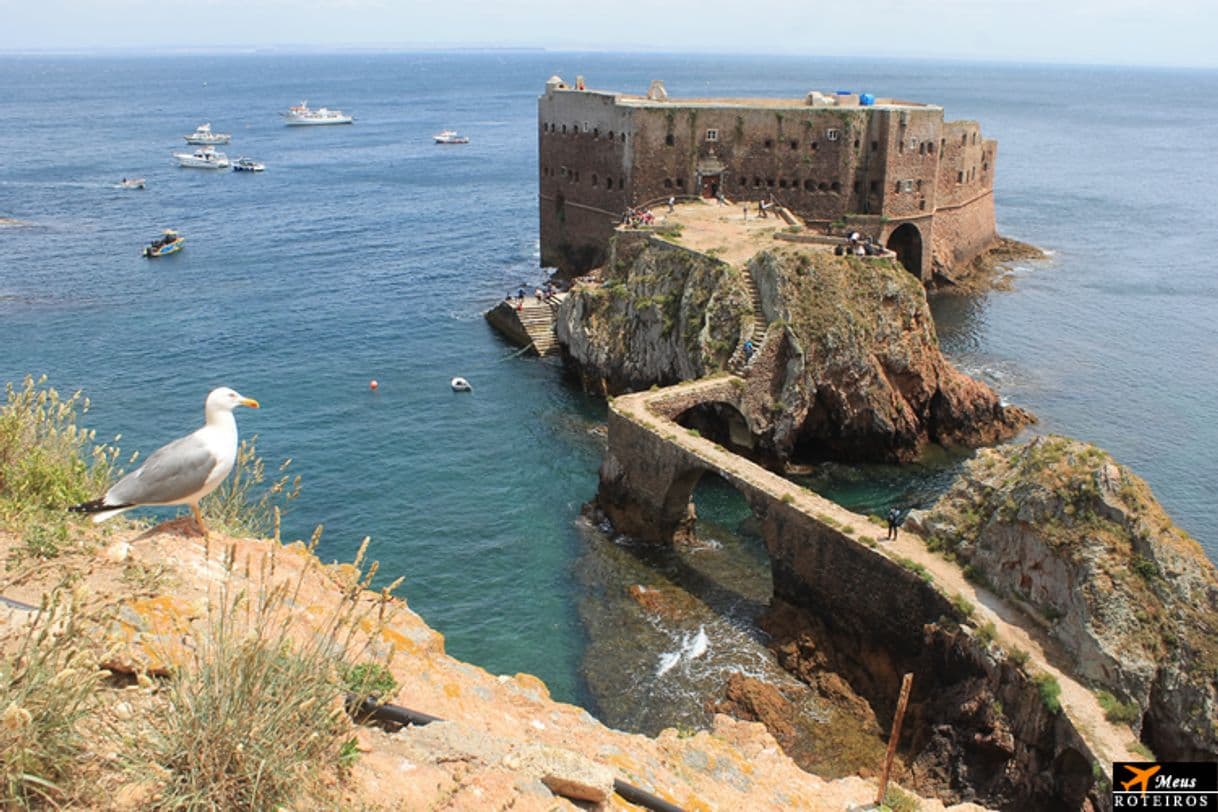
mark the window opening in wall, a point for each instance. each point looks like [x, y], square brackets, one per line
[875, 146]
[623, 138]
[815, 146]
[667, 183]
[769, 182]
[874, 186]
[922, 204]
[974, 139]
[782, 183]
[562, 171]
[611, 135]
[856, 143]
[896, 187]
[769, 143]
[822, 186]
[794, 144]
[907, 186]
[919, 184]
[930, 147]
[809, 185]
[564, 129]
[964, 140]
[712, 135]
[594, 179]
[756, 182]
[835, 186]
[596, 133]
[901, 147]
[744, 181]
[833, 135]
[680, 183]
[587, 127]
[959, 177]
[669, 140]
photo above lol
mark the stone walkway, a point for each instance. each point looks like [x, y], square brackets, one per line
[1109, 742]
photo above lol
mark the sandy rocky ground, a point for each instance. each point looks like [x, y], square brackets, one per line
[507, 744]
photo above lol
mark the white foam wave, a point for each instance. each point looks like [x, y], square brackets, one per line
[667, 660]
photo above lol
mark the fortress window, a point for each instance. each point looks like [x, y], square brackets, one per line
[896, 187]
[815, 146]
[669, 140]
[794, 144]
[875, 146]
[564, 129]
[908, 185]
[835, 186]
[919, 184]
[623, 138]
[769, 143]
[596, 133]
[901, 147]
[667, 183]
[833, 135]
[756, 182]
[680, 183]
[922, 204]
[712, 135]
[611, 135]
[959, 177]
[985, 165]
[974, 139]
[964, 140]
[608, 182]
[856, 143]
[809, 185]
[822, 186]
[769, 182]
[587, 127]
[593, 178]
[782, 183]
[744, 181]
[930, 147]
[563, 171]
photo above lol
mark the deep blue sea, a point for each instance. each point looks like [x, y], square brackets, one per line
[368, 252]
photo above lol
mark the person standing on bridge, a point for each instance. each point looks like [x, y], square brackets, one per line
[894, 522]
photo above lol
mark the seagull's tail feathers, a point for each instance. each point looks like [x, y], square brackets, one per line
[100, 510]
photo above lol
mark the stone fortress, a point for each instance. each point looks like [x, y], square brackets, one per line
[890, 169]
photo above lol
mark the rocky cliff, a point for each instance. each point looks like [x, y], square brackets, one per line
[1059, 525]
[850, 367]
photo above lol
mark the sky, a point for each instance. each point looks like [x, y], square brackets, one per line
[1116, 32]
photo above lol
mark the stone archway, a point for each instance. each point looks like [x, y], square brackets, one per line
[722, 423]
[906, 241]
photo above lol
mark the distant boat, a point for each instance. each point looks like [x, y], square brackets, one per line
[203, 135]
[130, 183]
[300, 115]
[460, 385]
[450, 137]
[202, 158]
[170, 242]
[247, 165]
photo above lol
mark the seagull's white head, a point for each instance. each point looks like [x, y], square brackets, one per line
[224, 400]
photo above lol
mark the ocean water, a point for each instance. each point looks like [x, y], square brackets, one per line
[368, 252]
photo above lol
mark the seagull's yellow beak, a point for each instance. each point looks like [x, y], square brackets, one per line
[253, 404]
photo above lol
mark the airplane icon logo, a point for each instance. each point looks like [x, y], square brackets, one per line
[1140, 777]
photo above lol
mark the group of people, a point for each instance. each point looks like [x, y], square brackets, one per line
[763, 206]
[547, 293]
[859, 246]
[638, 217]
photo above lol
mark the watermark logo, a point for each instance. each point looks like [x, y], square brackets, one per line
[1165, 785]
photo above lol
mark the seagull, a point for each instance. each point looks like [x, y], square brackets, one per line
[184, 471]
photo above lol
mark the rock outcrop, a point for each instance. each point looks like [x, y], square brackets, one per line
[851, 367]
[1059, 525]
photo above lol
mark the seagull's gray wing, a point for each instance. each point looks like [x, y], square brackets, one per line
[171, 474]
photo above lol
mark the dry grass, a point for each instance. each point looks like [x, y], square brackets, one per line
[47, 686]
[256, 720]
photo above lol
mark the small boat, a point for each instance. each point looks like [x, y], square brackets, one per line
[300, 115]
[460, 385]
[170, 242]
[202, 158]
[203, 135]
[450, 137]
[130, 183]
[247, 165]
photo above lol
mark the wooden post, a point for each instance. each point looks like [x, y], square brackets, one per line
[906, 684]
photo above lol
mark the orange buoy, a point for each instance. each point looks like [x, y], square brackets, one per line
[372, 384]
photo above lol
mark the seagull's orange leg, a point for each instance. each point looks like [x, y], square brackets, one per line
[199, 518]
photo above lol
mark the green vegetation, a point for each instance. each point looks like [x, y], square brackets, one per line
[787, 499]
[1019, 657]
[1124, 713]
[1144, 566]
[47, 462]
[987, 633]
[46, 689]
[1142, 750]
[964, 606]
[242, 505]
[370, 680]
[1050, 691]
[897, 800]
[670, 231]
[915, 567]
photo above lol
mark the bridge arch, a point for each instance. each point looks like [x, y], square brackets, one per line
[906, 241]
[722, 423]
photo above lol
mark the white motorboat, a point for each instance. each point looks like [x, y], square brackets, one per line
[204, 136]
[299, 115]
[247, 165]
[450, 137]
[202, 158]
[131, 183]
[460, 385]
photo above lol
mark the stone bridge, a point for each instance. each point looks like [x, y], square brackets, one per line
[893, 607]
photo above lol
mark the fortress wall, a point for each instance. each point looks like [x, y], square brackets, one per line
[911, 159]
[960, 234]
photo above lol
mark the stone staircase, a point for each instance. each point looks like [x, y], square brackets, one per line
[737, 362]
[538, 319]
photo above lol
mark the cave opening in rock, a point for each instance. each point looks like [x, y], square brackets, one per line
[722, 423]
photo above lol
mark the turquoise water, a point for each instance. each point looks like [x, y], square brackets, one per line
[367, 252]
